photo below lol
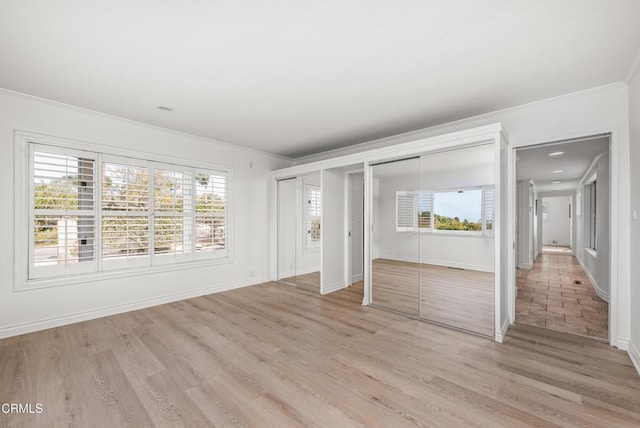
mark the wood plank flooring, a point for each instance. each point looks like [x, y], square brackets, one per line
[460, 298]
[279, 356]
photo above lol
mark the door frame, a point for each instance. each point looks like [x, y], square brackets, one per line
[616, 268]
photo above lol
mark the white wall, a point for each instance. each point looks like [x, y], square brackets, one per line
[41, 308]
[333, 230]
[556, 224]
[634, 127]
[596, 264]
[526, 230]
[599, 110]
[287, 227]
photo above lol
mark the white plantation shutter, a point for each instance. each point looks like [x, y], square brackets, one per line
[173, 213]
[424, 206]
[489, 209]
[93, 212]
[313, 208]
[64, 212]
[211, 213]
[125, 214]
[406, 218]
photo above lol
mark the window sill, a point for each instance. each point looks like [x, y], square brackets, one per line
[592, 252]
[39, 283]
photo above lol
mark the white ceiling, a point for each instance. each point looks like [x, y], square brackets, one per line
[295, 78]
[536, 164]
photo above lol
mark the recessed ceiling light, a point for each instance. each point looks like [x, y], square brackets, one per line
[165, 108]
[555, 182]
[558, 171]
[556, 153]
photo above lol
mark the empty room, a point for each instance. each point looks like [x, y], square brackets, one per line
[329, 214]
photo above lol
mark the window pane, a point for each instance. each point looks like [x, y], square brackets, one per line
[458, 210]
[62, 182]
[424, 209]
[211, 193]
[125, 236]
[210, 233]
[124, 187]
[172, 191]
[313, 209]
[172, 235]
[211, 211]
[63, 240]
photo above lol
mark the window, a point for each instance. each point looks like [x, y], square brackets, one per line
[467, 210]
[63, 212]
[312, 209]
[95, 212]
[458, 210]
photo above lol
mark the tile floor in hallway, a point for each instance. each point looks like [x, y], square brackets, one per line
[556, 294]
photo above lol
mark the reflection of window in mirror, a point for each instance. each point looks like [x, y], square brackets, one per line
[312, 215]
[468, 210]
[459, 210]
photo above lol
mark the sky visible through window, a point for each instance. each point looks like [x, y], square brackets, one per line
[465, 205]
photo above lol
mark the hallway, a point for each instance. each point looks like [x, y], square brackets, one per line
[556, 294]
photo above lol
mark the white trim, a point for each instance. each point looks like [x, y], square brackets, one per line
[459, 139]
[502, 333]
[333, 287]
[438, 129]
[634, 354]
[525, 265]
[599, 291]
[30, 327]
[132, 122]
[356, 278]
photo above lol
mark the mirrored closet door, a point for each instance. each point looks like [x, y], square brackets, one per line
[455, 220]
[299, 222]
[395, 240]
[432, 245]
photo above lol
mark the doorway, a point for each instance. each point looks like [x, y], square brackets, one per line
[563, 236]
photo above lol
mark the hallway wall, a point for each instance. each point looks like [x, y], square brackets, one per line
[556, 225]
[596, 263]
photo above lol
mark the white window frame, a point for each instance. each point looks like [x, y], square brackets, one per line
[24, 274]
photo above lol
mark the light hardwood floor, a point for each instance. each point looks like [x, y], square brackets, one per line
[455, 297]
[281, 356]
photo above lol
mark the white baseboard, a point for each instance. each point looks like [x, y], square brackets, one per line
[634, 354]
[500, 335]
[30, 327]
[332, 287]
[525, 265]
[439, 263]
[599, 291]
[356, 278]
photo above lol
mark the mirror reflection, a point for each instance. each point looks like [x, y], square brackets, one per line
[432, 240]
[299, 227]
